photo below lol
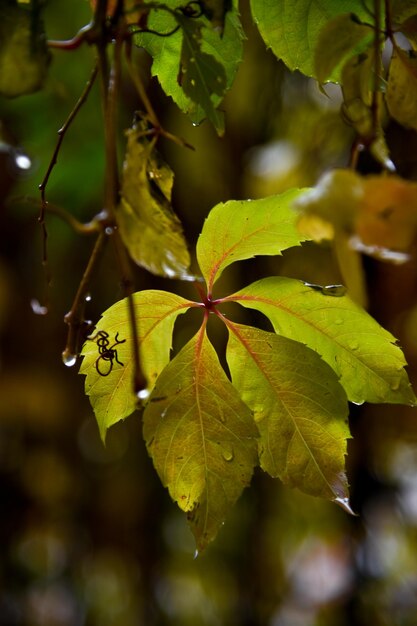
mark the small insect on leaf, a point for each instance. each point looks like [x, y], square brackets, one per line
[107, 353]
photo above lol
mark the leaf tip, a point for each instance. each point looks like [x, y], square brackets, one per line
[344, 503]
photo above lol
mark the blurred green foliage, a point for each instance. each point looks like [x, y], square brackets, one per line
[88, 534]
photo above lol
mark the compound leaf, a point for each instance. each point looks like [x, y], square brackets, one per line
[112, 395]
[292, 29]
[149, 227]
[241, 229]
[299, 407]
[361, 352]
[201, 437]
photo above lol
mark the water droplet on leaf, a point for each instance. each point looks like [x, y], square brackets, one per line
[227, 453]
[143, 394]
[395, 385]
[338, 321]
[88, 297]
[354, 345]
[196, 553]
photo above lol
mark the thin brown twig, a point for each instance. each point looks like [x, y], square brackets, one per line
[79, 227]
[110, 78]
[75, 317]
[42, 187]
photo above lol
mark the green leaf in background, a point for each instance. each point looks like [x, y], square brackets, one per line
[242, 229]
[166, 52]
[401, 93]
[149, 227]
[402, 10]
[201, 437]
[201, 75]
[215, 11]
[357, 78]
[292, 29]
[112, 396]
[299, 407]
[360, 351]
[24, 56]
[340, 38]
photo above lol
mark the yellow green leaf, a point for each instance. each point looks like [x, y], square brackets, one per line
[357, 348]
[292, 29]
[401, 93]
[201, 437]
[149, 227]
[342, 36]
[201, 75]
[242, 229]
[111, 392]
[336, 199]
[24, 56]
[357, 83]
[299, 407]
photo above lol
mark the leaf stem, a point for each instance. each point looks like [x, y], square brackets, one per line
[376, 93]
[79, 227]
[110, 80]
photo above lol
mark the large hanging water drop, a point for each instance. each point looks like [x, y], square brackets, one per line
[69, 359]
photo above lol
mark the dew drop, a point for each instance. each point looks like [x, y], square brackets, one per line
[395, 386]
[163, 414]
[88, 297]
[345, 504]
[143, 394]
[196, 553]
[192, 82]
[338, 321]
[109, 230]
[228, 454]
[334, 290]
[68, 359]
[37, 307]
[354, 345]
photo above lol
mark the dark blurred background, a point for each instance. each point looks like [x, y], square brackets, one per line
[88, 535]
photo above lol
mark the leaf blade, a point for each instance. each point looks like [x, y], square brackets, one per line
[339, 39]
[200, 436]
[112, 396]
[299, 407]
[362, 353]
[292, 30]
[226, 49]
[148, 225]
[402, 88]
[238, 230]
